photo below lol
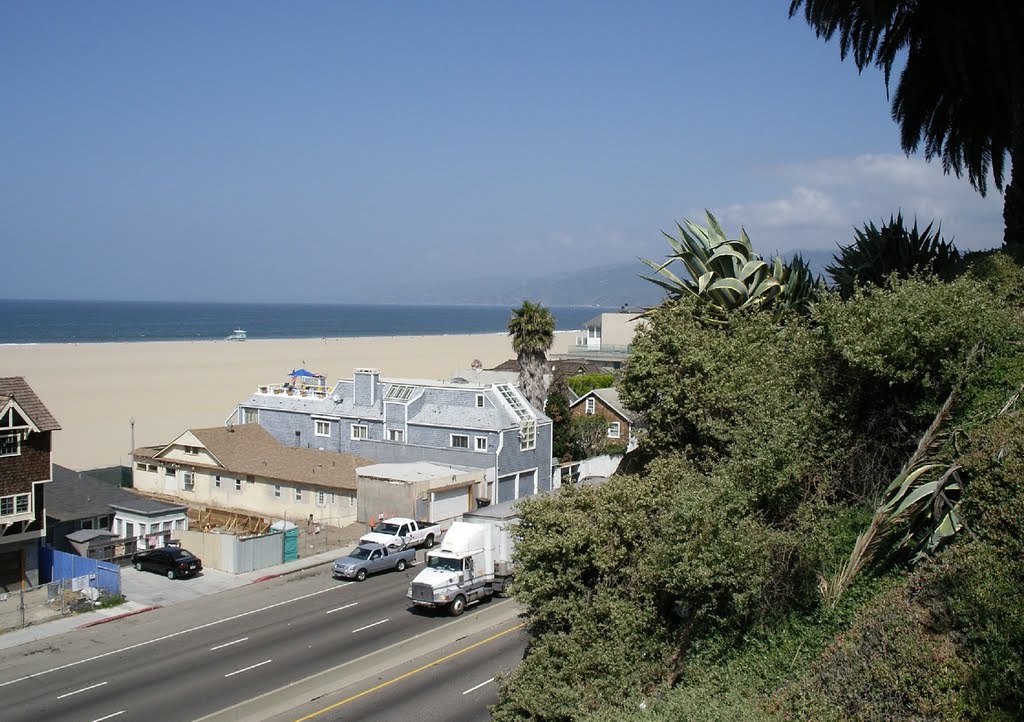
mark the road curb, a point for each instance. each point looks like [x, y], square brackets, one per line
[303, 691]
[285, 573]
[118, 616]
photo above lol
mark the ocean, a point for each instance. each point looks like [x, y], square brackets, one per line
[31, 322]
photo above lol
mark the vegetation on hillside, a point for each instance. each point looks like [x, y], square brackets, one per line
[699, 586]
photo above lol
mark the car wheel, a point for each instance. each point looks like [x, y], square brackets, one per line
[458, 605]
[429, 541]
[170, 574]
[400, 567]
[138, 566]
[361, 575]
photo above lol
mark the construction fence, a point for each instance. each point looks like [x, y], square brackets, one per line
[45, 603]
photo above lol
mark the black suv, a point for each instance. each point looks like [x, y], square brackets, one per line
[172, 561]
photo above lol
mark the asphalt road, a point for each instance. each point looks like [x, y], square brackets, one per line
[197, 657]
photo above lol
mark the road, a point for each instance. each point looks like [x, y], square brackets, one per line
[195, 658]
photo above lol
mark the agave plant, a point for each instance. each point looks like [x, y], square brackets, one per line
[877, 253]
[727, 275]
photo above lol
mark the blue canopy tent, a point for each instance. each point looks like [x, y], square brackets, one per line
[306, 379]
[303, 372]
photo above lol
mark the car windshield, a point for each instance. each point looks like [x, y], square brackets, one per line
[181, 554]
[445, 564]
[386, 528]
[360, 553]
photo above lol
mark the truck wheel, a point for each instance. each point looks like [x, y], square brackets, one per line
[458, 605]
[429, 541]
[361, 575]
[400, 567]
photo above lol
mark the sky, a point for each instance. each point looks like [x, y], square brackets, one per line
[321, 151]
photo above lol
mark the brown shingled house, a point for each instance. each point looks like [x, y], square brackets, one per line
[243, 468]
[26, 427]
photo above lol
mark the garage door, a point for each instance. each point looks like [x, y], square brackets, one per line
[449, 504]
[506, 488]
[10, 571]
[527, 484]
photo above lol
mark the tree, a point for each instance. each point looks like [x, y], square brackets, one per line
[532, 328]
[961, 92]
[588, 435]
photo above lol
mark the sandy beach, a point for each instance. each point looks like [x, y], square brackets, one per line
[96, 390]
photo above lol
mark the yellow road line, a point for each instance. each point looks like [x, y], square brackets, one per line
[408, 674]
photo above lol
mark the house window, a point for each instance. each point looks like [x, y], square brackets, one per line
[10, 444]
[396, 435]
[527, 434]
[15, 504]
[169, 472]
[103, 523]
[591, 404]
[481, 443]
[250, 416]
[140, 466]
[359, 431]
[277, 491]
[238, 484]
[323, 428]
[613, 430]
[216, 481]
[479, 401]
[298, 494]
[460, 441]
[188, 481]
[191, 450]
[321, 498]
[87, 523]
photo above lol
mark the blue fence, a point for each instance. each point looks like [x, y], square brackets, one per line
[61, 565]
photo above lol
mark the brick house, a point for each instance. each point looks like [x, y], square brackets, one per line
[26, 427]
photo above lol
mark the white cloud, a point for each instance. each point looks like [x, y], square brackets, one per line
[825, 200]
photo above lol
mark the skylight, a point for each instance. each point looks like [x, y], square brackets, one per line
[399, 393]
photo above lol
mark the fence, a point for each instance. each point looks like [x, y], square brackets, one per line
[57, 565]
[38, 604]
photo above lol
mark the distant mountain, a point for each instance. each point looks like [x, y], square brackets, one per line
[606, 286]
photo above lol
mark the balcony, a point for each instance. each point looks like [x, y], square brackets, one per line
[308, 390]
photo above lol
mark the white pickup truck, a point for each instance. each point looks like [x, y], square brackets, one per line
[401, 533]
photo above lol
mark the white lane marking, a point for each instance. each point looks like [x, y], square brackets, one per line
[109, 716]
[474, 689]
[332, 611]
[228, 644]
[170, 636]
[84, 689]
[370, 625]
[239, 671]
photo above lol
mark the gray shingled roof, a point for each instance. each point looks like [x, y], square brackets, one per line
[74, 495]
[245, 449]
[17, 388]
[611, 398]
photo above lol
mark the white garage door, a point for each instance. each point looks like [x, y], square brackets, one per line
[449, 504]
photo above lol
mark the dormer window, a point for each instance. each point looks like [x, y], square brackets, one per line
[192, 450]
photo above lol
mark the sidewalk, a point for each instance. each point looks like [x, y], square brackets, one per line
[146, 591]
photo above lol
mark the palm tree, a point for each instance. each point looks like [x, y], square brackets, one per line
[961, 93]
[532, 328]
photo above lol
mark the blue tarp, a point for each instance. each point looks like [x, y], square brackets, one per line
[304, 372]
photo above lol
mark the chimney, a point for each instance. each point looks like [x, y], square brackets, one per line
[366, 387]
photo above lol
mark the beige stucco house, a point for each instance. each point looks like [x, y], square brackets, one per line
[243, 468]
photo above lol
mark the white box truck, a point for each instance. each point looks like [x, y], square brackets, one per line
[473, 563]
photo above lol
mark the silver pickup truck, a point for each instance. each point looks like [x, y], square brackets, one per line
[369, 558]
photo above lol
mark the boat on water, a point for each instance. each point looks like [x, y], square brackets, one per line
[236, 335]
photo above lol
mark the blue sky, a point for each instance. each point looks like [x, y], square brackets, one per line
[320, 151]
